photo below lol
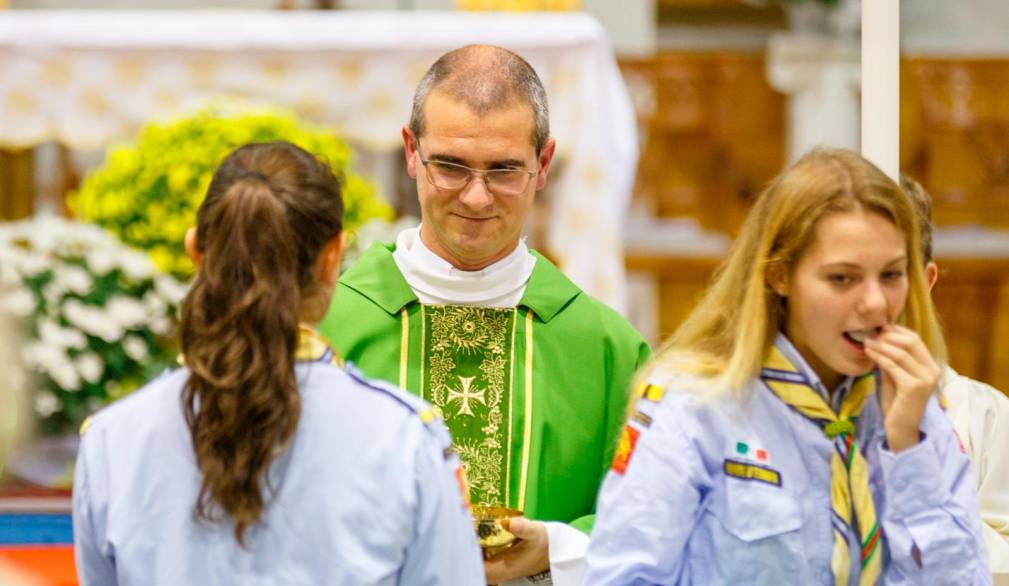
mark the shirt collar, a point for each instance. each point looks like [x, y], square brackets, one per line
[785, 346]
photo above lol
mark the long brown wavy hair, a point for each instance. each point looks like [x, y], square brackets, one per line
[269, 211]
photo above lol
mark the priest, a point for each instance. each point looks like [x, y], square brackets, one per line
[529, 372]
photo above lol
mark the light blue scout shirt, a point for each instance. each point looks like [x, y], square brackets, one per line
[675, 516]
[366, 494]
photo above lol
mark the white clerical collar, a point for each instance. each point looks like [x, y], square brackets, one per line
[435, 280]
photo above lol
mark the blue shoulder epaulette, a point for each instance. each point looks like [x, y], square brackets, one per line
[417, 405]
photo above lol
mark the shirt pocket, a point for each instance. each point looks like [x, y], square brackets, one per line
[757, 534]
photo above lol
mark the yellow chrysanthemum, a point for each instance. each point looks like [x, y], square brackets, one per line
[147, 193]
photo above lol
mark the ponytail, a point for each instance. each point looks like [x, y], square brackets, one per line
[239, 323]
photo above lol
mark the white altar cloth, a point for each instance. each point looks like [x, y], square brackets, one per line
[90, 79]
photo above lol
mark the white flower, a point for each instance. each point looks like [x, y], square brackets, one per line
[53, 361]
[65, 375]
[90, 367]
[171, 289]
[76, 255]
[135, 347]
[8, 274]
[46, 231]
[30, 264]
[100, 261]
[46, 403]
[136, 265]
[18, 302]
[128, 312]
[52, 334]
[92, 320]
[154, 303]
[161, 326]
[73, 278]
[53, 293]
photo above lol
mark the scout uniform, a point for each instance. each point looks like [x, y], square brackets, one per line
[366, 493]
[774, 487]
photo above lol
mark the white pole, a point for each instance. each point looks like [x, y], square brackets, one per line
[881, 84]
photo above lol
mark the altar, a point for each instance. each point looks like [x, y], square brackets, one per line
[90, 79]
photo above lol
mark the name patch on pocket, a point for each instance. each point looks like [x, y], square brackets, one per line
[747, 471]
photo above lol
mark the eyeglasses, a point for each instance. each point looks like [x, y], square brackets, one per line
[452, 177]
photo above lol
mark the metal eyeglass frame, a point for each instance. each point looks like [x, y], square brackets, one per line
[471, 172]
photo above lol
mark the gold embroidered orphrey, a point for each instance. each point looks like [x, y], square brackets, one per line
[468, 356]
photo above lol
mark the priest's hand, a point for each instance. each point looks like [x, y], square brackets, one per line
[910, 377]
[529, 556]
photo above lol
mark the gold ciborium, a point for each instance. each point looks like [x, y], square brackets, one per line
[492, 525]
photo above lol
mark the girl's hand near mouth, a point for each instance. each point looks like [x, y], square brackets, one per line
[910, 376]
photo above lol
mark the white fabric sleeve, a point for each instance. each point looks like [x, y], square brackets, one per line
[567, 548]
[989, 437]
[980, 416]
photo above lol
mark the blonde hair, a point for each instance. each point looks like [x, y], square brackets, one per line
[725, 339]
[923, 203]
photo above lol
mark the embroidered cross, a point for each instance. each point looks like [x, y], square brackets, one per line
[466, 395]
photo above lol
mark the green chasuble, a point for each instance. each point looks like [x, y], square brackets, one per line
[535, 396]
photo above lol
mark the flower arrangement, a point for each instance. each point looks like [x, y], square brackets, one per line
[98, 316]
[147, 193]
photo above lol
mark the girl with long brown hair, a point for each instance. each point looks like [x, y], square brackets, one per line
[789, 432]
[262, 461]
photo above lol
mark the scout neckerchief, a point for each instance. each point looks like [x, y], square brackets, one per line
[312, 348]
[849, 483]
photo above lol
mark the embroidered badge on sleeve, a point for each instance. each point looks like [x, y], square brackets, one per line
[625, 449]
[642, 418]
[651, 392]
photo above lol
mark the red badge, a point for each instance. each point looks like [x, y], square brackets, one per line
[625, 449]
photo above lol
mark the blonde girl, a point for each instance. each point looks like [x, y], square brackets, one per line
[788, 432]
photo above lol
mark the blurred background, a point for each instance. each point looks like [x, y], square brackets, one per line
[670, 116]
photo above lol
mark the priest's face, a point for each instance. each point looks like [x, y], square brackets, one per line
[472, 219]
